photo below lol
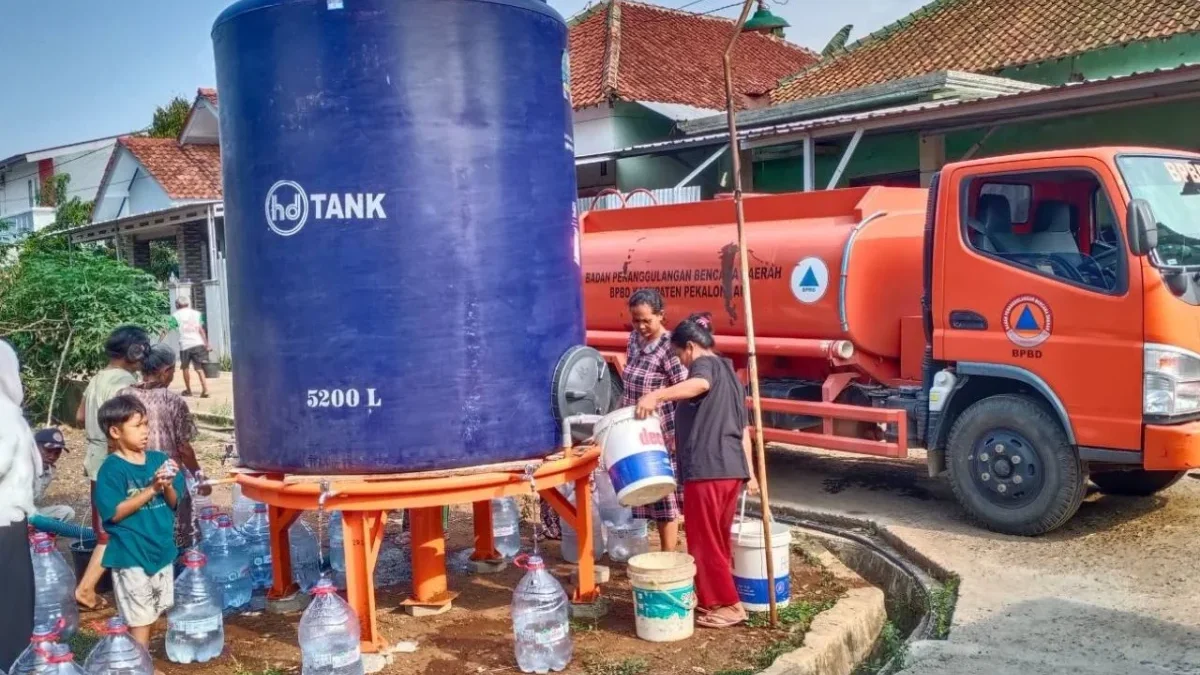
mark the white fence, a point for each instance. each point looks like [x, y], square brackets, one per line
[682, 195]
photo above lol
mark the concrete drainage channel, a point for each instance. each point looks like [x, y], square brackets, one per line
[919, 595]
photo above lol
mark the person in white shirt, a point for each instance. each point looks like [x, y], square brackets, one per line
[20, 465]
[51, 444]
[193, 343]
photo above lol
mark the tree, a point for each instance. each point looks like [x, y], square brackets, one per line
[169, 119]
[69, 211]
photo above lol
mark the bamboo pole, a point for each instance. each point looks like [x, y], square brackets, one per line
[748, 311]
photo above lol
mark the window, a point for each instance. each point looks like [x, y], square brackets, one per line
[1068, 231]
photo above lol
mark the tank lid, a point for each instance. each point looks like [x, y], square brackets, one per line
[245, 6]
[582, 385]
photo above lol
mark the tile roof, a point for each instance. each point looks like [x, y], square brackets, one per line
[184, 171]
[638, 52]
[985, 36]
[207, 94]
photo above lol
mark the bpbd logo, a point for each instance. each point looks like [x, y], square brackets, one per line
[288, 206]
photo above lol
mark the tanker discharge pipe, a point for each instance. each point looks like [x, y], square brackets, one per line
[797, 347]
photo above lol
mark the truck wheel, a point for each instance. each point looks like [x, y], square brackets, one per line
[1012, 467]
[1136, 483]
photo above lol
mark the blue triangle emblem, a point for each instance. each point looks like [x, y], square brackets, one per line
[809, 280]
[1026, 320]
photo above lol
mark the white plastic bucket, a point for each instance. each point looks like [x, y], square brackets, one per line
[664, 596]
[750, 564]
[635, 456]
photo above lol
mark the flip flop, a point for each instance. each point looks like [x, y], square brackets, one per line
[204, 395]
[717, 621]
[101, 603]
[186, 392]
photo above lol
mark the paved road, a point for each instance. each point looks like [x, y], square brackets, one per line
[1116, 590]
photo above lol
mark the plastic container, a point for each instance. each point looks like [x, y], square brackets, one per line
[329, 635]
[207, 519]
[367, 231]
[635, 456]
[306, 561]
[664, 596]
[44, 636]
[195, 627]
[229, 566]
[612, 513]
[118, 653]
[627, 540]
[506, 526]
[337, 551]
[243, 507]
[257, 533]
[58, 661]
[54, 589]
[541, 620]
[750, 564]
[81, 556]
[569, 545]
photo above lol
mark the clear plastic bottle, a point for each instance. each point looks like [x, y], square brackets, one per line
[506, 526]
[627, 540]
[207, 516]
[541, 621]
[337, 550]
[195, 627]
[570, 543]
[243, 507]
[118, 653]
[329, 635]
[257, 533]
[229, 566]
[44, 636]
[54, 594]
[306, 562]
[609, 508]
[199, 501]
[58, 660]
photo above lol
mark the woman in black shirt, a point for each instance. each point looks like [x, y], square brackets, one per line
[713, 449]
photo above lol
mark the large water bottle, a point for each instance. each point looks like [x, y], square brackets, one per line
[506, 526]
[627, 540]
[257, 533]
[195, 627]
[243, 507]
[329, 635]
[306, 561]
[118, 653]
[229, 566]
[541, 622]
[207, 516]
[570, 542]
[44, 636]
[199, 501]
[337, 550]
[609, 507]
[59, 660]
[54, 589]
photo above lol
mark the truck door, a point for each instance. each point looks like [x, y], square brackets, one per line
[1036, 284]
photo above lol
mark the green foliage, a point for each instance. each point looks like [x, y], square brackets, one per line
[626, 667]
[53, 290]
[226, 363]
[890, 652]
[82, 643]
[69, 211]
[941, 607]
[169, 119]
[164, 260]
[797, 615]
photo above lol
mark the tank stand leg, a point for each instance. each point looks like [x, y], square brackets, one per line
[430, 592]
[363, 535]
[281, 519]
[580, 518]
[485, 541]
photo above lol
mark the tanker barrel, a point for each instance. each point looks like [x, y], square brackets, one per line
[767, 346]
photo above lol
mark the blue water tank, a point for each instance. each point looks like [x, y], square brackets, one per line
[403, 248]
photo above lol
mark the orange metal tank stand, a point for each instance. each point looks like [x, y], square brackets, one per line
[366, 500]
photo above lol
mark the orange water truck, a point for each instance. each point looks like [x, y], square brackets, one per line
[1032, 321]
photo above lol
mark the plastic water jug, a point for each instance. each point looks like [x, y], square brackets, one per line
[243, 507]
[54, 589]
[44, 636]
[506, 526]
[118, 653]
[306, 560]
[570, 543]
[609, 508]
[207, 516]
[58, 660]
[329, 635]
[541, 623]
[195, 627]
[627, 540]
[257, 533]
[199, 501]
[337, 550]
[229, 566]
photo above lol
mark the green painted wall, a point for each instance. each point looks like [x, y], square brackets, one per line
[1138, 57]
[633, 125]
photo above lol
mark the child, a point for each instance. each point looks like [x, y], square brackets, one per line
[137, 492]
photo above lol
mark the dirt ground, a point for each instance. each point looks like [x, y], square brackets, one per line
[476, 636]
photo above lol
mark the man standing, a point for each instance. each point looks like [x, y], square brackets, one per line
[193, 344]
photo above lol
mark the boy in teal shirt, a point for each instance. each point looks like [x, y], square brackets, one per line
[137, 492]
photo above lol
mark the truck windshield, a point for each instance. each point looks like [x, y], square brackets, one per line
[1172, 186]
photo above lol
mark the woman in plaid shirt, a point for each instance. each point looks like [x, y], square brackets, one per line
[652, 365]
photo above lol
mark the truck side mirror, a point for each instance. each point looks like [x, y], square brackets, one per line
[1141, 228]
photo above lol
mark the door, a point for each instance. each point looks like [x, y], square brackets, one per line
[1036, 278]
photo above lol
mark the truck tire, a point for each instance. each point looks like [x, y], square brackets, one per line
[1012, 467]
[1136, 483]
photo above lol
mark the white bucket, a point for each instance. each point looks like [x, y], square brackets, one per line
[635, 456]
[664, 596]
[750, 564]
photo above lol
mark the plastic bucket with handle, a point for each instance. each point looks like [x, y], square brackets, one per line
[750, 563]
[664, 596]
[635, 456]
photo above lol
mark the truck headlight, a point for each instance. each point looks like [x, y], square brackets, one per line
[1171, 386]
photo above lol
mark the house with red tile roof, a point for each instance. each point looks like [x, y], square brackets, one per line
[24, 205]
[637, 70]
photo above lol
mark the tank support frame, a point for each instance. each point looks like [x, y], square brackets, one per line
[366, 500]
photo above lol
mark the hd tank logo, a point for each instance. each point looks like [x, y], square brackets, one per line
[289, 206]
